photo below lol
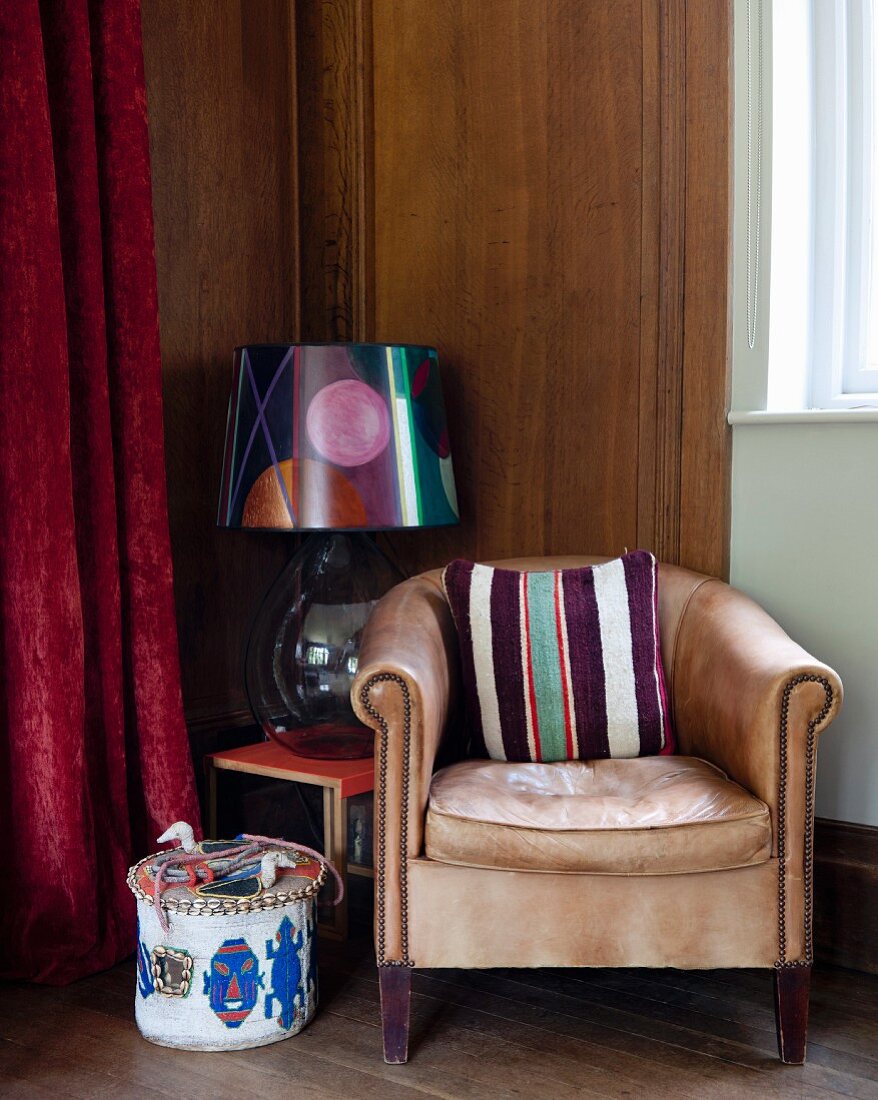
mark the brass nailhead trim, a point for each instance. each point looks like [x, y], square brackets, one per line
[808, 855]
[380, 900]
[782, 961]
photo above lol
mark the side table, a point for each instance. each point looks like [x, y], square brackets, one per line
[340, 779]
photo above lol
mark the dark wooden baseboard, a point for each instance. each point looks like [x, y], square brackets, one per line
[846, 894]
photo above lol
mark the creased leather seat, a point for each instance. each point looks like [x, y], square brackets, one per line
[650, 816]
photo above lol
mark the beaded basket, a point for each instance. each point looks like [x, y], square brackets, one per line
[226, 958]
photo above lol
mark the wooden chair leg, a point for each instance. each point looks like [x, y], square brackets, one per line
[791, 990]
[395, 983]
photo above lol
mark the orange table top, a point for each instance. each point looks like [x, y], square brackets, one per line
[348, 777]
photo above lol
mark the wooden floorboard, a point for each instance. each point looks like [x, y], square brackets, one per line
[498, 1034]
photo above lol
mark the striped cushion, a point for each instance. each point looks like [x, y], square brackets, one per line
[563, 665]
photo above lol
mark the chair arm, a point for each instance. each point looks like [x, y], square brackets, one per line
[750, 700]
[405, 687]
[735, 674]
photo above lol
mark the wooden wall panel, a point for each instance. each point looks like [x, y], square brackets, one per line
[705, 468]
[539, 187]
[550, 197]
[333, 63]
[221, 97]
[507, 196]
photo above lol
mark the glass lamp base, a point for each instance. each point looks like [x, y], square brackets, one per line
[303, 650]
[327, 742]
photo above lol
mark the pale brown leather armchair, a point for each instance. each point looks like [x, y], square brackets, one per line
[699, 860]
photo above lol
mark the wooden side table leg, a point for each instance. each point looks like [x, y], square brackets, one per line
[335, 847]
[341, 858]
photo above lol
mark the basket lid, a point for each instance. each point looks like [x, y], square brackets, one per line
[208, 877]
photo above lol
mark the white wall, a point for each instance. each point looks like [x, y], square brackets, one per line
[805, 517]
[805, 546]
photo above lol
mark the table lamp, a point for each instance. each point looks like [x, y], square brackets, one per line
[336, 440]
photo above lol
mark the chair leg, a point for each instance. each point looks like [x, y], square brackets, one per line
[395, 983]
[791, 990]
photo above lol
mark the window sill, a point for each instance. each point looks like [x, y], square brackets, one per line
[806, 416]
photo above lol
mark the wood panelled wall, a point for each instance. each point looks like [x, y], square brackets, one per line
[508, 197]
[541, 188]
[221, 98]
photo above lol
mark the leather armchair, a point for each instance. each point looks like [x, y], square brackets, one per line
[716, 871]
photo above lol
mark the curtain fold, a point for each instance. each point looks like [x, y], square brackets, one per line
[94, 756]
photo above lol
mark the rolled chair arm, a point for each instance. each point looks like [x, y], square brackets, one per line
[405, 687]
[747, 698]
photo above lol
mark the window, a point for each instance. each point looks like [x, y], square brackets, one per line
[823, 329]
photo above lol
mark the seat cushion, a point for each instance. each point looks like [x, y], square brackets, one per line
[649, 816]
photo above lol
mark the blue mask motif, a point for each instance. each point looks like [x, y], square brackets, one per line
[233, 982]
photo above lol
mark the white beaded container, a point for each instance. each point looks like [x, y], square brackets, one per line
[237, 966]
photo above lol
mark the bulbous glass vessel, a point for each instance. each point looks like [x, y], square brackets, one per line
[304, 646]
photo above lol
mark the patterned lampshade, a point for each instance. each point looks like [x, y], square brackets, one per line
[336, 437]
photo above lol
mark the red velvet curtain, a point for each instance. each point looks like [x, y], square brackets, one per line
[94, 757]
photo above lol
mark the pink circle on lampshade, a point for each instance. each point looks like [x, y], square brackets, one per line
[347, 422]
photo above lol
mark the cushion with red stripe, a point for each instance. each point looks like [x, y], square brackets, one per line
[562, 665]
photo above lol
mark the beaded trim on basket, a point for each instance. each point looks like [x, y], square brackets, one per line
[215, 906]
